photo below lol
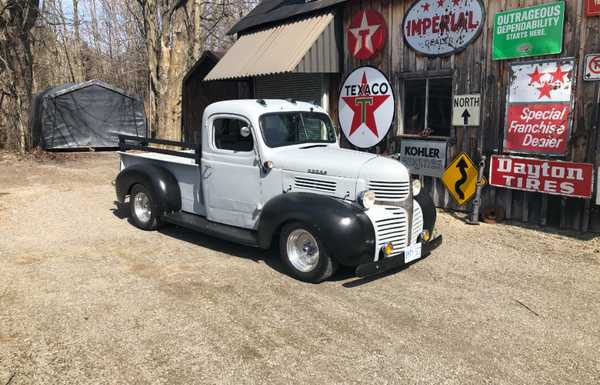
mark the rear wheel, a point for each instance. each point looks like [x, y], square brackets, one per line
[143, 208]
[304, 254]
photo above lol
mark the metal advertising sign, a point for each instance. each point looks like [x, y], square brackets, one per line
[592, 67]
[366, 107]
[592, 7]
[423, 157]
[460, 179]
[544, 176]
[526, 32]
[367, 34]
[539, 107]
[466, 110]
[443, 27]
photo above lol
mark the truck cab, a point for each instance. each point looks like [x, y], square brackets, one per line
[268, 172]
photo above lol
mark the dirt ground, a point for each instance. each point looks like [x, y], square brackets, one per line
[86, 298]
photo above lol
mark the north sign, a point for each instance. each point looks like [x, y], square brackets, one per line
[443, 27]
[466, 110]
[526, 32]
[460, 179]
[592, 67]
[367, 34]
[366, 107]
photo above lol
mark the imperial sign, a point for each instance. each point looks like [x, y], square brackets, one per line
[367, 34]
[538, 115]
[443, 27]
[366, 107]
[545, 176]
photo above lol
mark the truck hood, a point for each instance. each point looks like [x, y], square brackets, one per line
[325, 160]
[337, 162]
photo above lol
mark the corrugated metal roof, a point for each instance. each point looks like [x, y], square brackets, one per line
[272, 11]
[282, 49]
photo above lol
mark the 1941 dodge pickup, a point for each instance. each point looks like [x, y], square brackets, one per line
[272, 171]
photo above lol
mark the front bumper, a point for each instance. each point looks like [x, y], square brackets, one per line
[386, 264]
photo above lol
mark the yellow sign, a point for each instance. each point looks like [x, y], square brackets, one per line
[460, 178]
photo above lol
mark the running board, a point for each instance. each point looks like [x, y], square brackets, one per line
[202, 225]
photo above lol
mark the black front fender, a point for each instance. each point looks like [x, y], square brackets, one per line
[428, 209]
[162, 185]
[344, 229]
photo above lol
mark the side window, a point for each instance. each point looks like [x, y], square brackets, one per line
[428, 106]
[229, 135]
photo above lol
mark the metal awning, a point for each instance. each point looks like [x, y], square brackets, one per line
[307, 46]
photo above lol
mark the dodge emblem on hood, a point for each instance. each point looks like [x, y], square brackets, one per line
[318, 172]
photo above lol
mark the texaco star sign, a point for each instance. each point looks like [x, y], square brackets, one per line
[367, 34]
[366, 107]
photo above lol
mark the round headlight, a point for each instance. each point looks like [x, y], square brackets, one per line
[416, 187]
[367, 199]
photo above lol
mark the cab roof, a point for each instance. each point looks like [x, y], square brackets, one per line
[253, 108]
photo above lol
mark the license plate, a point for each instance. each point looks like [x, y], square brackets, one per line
[412, 253]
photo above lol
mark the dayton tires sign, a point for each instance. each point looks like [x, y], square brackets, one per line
[443, 27]
[366, 107]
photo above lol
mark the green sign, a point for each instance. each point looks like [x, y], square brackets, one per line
[526, 32]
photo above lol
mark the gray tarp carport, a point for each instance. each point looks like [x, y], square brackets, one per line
[85, 115]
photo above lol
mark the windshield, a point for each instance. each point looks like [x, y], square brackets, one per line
[288, 128]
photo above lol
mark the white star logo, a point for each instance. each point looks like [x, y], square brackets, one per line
[364, 35]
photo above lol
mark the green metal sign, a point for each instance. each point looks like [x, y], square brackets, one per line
[526, 32]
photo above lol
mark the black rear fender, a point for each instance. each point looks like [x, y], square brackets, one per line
[162, 185]
[344, 229]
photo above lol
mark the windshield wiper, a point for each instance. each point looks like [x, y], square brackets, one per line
[313, 146]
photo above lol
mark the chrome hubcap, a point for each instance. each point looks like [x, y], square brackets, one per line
[141, 206]
[303, 250]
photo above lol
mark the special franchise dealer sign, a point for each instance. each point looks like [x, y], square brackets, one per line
[539, 107]
[544, 176]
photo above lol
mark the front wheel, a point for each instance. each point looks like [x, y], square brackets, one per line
[304, 254]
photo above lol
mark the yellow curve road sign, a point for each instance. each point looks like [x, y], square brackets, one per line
[460, 178]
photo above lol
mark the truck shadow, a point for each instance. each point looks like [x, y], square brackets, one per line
[269, 257]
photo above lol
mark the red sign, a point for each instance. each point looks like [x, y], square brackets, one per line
[592, 7]
[544, 176]
[367, 34]
[539, 107]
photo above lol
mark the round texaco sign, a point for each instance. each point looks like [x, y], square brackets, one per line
[366, 107]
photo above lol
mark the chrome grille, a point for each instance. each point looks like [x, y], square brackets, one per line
[417, 225]
[392, 229]
[315, 184]
[390, 191]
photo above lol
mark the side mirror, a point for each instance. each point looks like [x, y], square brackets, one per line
[245, 132]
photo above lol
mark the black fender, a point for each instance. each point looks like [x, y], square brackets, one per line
[428, 209]
[343, 228]
[162, 185]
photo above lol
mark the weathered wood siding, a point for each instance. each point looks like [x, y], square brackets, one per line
[473, 71]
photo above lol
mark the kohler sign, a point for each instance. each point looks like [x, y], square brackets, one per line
[423, 157]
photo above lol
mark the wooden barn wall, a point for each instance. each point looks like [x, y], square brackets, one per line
[473, 71]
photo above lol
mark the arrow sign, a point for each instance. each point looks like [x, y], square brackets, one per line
[466, 117]
[466, 110]
[462, 166]
[460, 179]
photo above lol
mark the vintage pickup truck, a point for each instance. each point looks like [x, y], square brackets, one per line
[272, 171]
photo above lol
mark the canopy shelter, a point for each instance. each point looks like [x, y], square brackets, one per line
[303, 46]
[85, 115]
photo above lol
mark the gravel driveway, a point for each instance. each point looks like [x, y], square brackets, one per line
[86, 298]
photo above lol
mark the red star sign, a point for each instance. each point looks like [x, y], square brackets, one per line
[545, 90]
[425, 7]
[364, 106]
[536, 76]
[367, 34]
[559, 74]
